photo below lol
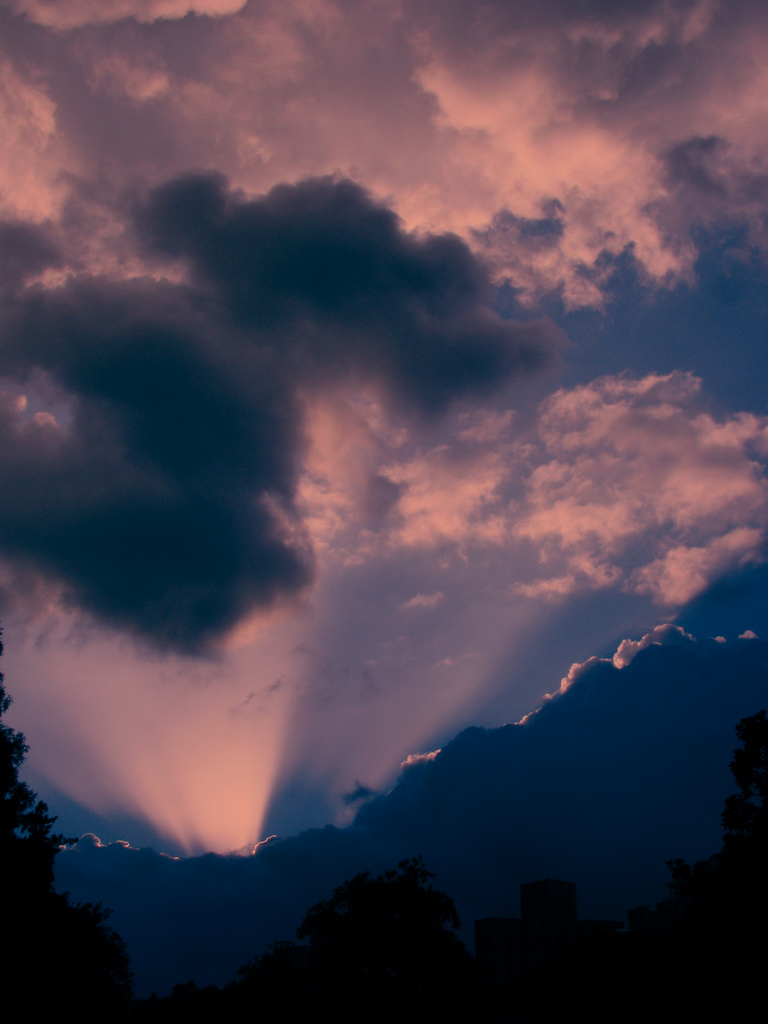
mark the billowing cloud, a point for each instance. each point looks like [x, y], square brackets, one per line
[349, 293]
[560, 139]
[162, 499]
[597, 130]
[621, 468]
[414, 759]
[269, 419]
[664, 635]
[625, 769]
[156, 504]
[710, 183]
[622, 483]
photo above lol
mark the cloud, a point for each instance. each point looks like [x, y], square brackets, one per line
[344, 385]
[684, 572]
[621, 468]
[570, 108]
[414, 759]
[445, 498]
[164, 502]
[623, 770]
[712, 185]
[157, 508]
[423, 601]
[32, 154]
[320, 257]
[359, 793]
[624, 483]
[25, 251]
[77, 13]
[665, 635]
[559, 140]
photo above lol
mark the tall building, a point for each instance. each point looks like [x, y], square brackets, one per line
[549, 920]
[508, 947]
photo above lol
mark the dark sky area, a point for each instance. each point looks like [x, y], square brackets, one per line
[365, 371]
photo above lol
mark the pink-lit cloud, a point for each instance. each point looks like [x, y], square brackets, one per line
[33, 155]
[474, 546]
[76, 13]
[666, 635]
[447, 528]
[427, 601]
[626, 468]
[626, 486]
[578, 125]
[555, 140]
[624, 482]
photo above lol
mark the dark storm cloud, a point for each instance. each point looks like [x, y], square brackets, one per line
[711, 185]
[693, 164]
[623, 771]
[348, 291]
[147, 506]
[25, 250]
[480, 26]
[162, 499]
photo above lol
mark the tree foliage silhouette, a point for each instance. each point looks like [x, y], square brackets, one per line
[743, 861]
[379, 920]
[388, 942]
[726, 897]
[745, 816]
[380, 949]
[27, 844]
[55, 952]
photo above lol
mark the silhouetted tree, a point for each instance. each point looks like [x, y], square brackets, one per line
[57, 955]
[27, 844]
[188, 1004]
[279, 983]
[726, 897]
[743, 862]
[745, 816]
[384, 948]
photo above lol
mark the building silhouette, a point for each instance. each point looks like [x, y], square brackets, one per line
[509, 947]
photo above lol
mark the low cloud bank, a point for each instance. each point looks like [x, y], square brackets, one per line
[622, 770]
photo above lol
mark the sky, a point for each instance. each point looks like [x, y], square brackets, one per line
[363, 368]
